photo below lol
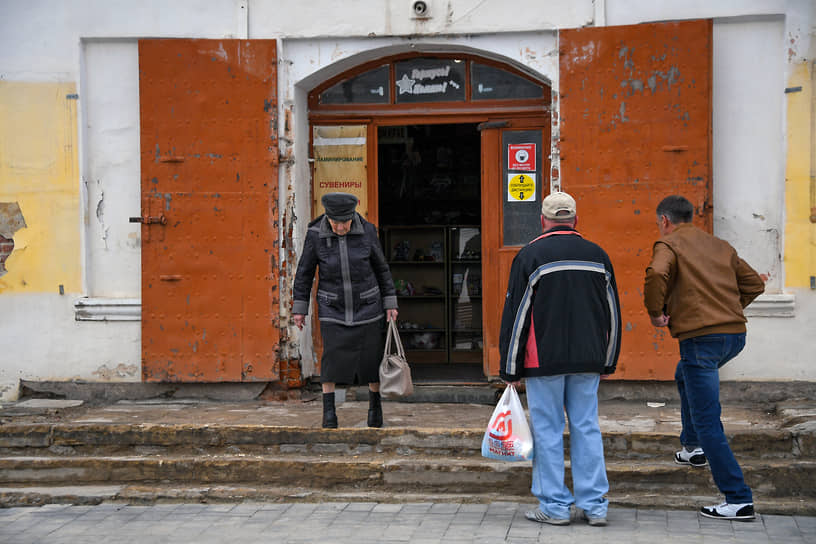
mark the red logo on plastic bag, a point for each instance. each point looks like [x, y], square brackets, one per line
[502, 426]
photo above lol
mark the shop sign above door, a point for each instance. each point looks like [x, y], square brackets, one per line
[429, 80]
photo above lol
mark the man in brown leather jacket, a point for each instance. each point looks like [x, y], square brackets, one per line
[697, 286]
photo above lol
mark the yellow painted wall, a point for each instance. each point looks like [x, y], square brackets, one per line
[800, 233]
[39, 171]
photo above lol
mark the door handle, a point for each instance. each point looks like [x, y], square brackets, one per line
[492, 124]
[170, 277]
[146, 220]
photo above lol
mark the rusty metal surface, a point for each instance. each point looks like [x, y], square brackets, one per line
[209, 158]
[635, 122]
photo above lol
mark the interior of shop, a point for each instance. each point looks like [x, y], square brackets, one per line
[430, 224]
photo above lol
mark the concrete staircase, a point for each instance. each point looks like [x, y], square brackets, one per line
[86, 463]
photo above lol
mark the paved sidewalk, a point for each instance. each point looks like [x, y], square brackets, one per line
[361, 523]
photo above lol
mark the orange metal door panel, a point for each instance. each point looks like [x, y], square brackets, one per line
[492, 289]
[496, 256]
[209, 204]
[635, 116]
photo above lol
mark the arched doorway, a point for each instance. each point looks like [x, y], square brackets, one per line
[449, 154]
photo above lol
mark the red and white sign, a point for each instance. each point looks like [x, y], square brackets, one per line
[521, 157]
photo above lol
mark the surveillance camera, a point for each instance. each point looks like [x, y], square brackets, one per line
[420, 8]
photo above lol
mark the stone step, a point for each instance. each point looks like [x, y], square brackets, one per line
[376, 472]
[222, 493]
[93, 439]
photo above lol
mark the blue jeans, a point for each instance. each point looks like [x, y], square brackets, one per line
[698, 381]
[547, 397]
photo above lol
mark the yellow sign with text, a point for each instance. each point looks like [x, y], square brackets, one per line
[521, 187]
[340, 164]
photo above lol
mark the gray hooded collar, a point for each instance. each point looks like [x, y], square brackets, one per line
[325, 231]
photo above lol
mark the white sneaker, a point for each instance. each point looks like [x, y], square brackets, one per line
[739, 512]
[540, 517]
[695, 458]
[593, 521]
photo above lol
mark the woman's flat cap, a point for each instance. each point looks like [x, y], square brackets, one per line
[339, 206]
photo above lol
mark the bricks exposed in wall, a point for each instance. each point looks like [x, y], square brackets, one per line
[11, 220]
[6, 247]
[290, 373]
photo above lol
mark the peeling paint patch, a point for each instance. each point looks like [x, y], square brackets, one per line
[623, 117]
[636, 86]
[119, 372]
[792, 50]
[581, 55]
[670, 77]
[134, 240]
[100, 206]
[100, 212]
[11, 220]
[221, 53]
[529, 54]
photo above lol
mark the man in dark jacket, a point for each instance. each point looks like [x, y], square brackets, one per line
[560, 330]
[697, 286]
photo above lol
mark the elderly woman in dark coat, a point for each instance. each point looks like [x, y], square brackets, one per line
[354, 290]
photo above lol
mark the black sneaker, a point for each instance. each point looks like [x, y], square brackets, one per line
[695, 458]
[738, 512]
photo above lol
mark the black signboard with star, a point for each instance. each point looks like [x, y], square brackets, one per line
[429, 80]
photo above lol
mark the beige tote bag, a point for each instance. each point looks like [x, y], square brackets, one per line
[395, 374]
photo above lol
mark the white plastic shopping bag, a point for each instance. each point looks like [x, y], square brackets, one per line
[508, 436]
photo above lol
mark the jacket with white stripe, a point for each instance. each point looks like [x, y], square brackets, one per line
[354, 281]
[562, 312]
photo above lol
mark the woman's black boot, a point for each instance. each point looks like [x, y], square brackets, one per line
[375, 418]
[329, 415]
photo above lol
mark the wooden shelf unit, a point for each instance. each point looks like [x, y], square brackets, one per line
[437, 323]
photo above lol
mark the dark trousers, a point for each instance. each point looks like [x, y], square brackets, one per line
[698, 381]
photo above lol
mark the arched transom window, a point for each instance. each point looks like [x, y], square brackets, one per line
[425, 79]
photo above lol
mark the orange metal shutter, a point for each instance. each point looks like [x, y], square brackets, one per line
[635, 105]
[209, 181]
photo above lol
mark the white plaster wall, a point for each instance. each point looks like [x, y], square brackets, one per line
[40, 39]
[798, 15]
[625, 12]
[749, 142]
[779, 348]
[375, 18]
[297, 180]
[110, 98]
[43, 342]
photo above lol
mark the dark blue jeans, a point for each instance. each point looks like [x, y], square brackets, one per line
[698, 381]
